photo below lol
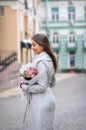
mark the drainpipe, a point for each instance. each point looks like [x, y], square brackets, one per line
[47, 29]
[34, 21]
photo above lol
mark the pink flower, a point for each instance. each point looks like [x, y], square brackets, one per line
[29, 73]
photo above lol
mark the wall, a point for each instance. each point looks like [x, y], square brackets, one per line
[8, 27]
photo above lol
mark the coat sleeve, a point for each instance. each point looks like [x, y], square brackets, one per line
[53, 81]
[39, 83]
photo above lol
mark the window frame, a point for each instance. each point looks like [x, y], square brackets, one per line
[56, 36]
[55, 14]
[70, 64]
[71, 14]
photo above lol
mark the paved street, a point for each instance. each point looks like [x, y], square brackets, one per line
[13, 91]
[71, 103]
[70, 93]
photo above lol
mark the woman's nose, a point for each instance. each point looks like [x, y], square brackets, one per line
[31, 47]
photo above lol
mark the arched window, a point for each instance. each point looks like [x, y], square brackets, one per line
[55, 37]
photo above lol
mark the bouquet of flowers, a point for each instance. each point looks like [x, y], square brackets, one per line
[27, 73]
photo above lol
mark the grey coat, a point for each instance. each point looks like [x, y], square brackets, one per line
[42, 101]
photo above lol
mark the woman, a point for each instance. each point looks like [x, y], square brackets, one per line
[42, 102]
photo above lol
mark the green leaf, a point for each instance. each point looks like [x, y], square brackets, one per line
[23, 74]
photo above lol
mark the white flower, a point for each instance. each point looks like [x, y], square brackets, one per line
[24, 67]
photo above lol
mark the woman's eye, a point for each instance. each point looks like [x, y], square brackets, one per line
[34, 45]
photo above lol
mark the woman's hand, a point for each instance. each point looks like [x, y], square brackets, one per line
[23, 85]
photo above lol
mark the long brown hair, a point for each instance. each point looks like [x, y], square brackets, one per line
[42, 40]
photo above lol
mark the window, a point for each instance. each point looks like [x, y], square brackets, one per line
[72, 59]
[71, 37]
[85, 13]
[55, 16]
[72, 40]
[1, 10]
[71, 14]
[26, 4]
[55, 38]
[85, 59]
[85, 39]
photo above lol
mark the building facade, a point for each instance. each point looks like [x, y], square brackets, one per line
[64, 21]
[17, 23]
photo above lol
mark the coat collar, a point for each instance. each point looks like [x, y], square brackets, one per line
[43, 56]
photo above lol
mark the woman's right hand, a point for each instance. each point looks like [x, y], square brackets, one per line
[23, 86]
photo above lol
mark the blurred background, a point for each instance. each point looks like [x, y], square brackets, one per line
[63, 21]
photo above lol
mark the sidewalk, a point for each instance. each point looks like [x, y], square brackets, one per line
[16, 90]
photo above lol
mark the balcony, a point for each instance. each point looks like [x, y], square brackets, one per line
[56, 46]
[71, 23]
[71, 46]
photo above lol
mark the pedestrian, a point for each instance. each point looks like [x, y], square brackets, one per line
[42, 101]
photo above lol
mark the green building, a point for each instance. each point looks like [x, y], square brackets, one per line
[64, 21]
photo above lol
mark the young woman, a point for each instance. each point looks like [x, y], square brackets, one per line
[42, 102]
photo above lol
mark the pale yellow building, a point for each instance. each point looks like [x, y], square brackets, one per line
[17, 22]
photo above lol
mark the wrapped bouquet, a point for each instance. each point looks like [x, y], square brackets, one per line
[27, 72]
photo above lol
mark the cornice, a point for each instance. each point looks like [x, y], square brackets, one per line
[14, 4]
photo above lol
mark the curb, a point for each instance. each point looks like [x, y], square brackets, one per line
[10, 92]
[62, 76]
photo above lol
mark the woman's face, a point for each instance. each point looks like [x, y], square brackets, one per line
[37, 48]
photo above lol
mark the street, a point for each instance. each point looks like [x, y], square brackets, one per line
[71, 105]
[70, 93]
